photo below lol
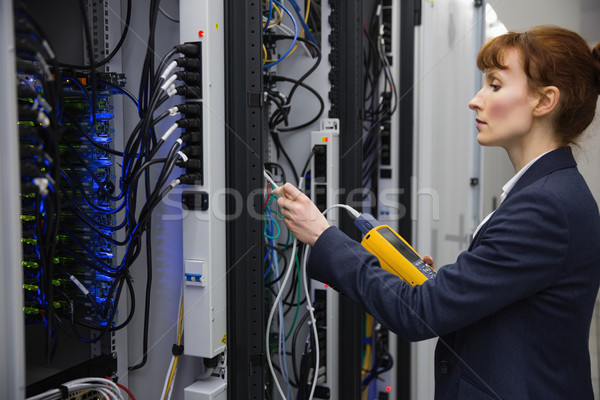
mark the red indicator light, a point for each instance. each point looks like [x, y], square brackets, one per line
[200, 33]
[326, 285]
[388, 388]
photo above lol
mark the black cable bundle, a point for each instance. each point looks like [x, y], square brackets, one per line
[283, 104]
[380, 102]
[69, 192]
[40, 132]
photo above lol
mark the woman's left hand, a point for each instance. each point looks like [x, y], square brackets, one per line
[300, 214]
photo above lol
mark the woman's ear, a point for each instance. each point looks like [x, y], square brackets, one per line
[547, 101]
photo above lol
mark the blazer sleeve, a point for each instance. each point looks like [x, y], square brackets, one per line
[523, 248]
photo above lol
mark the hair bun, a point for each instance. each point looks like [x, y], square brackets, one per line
[596, 55]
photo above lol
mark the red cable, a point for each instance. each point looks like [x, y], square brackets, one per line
[126, 391]
[268, 196]
[124, 388]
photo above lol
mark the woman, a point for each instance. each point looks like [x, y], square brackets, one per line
[513, 312]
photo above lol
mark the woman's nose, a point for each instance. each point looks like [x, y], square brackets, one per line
[475, 103]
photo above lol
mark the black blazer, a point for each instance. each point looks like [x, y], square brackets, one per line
[513, 312]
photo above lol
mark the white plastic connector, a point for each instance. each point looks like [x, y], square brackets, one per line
[172, 90]
[169, 132]
[168, 70]
[183, 156]
[168, 82]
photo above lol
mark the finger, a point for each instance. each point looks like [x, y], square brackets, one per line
[291, 191]
[282, 202]
[278, 191]
[428, 260]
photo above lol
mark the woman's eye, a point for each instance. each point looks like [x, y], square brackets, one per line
[495, 87]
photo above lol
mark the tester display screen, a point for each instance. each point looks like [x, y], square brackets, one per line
[406, 251]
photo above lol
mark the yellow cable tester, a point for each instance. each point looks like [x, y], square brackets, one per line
[394, 254]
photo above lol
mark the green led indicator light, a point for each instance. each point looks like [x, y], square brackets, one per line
[30, 264]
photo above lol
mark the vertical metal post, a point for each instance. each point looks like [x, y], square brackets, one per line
[12, 345]
[350, 105]
[244, 133]
[410, 16]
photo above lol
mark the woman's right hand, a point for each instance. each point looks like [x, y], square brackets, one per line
[300, 214]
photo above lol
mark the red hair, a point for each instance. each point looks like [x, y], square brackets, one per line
[554, 56]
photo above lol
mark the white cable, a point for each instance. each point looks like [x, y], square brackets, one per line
[162, 394]
[172, 384]
[269, 179]
[313, 321]
[351, 210]
[173, 111]
[270, 319]
[96, 382]
[281, 340]
[356, 214]
[105, 387]
[290, 32]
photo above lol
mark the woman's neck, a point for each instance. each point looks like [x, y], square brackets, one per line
[534, 144]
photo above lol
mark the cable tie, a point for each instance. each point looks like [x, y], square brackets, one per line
[79, 285]
[183, 156]
[172, 90]
[44, 66]
[168, 83]
[177, 350]
[42, 184]
[168, 70]
[169, 132]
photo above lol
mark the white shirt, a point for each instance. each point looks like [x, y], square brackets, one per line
[508, 187]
